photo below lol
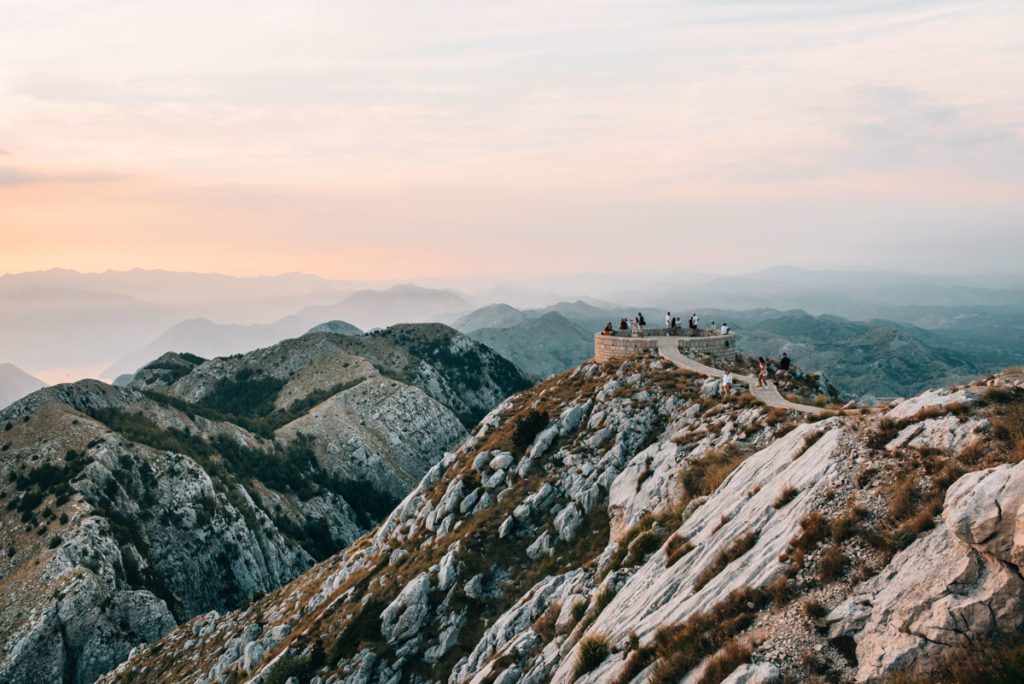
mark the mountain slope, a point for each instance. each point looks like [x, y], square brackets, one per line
[16, 383]
[540, 346]
[205, 484]
[875, 358]
[491, 316]
[618, 523]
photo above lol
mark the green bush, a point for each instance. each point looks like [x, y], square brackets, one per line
[247, 394]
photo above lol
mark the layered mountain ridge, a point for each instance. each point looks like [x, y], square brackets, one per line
[622, 523]
[207, 483]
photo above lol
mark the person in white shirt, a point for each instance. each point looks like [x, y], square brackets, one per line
[668, 319]
[726, 383]
[725, 329]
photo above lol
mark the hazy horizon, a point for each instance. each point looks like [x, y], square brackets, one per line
[456, 139]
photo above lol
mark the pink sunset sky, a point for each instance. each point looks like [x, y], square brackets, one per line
[398, 139]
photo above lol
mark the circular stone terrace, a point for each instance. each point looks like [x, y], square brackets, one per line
[622, 344]
[678, 346]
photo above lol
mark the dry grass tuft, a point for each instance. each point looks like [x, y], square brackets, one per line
[725, 662]
[787, 494]
[739, 546]
[593, 650]
[676, 547]
[545, 624]
[832, 564]
[703, 475]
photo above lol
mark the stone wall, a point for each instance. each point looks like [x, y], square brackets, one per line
[616, 347]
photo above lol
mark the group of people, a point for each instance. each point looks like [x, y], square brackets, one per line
[672, 323]
[635, 326]
[781, 374]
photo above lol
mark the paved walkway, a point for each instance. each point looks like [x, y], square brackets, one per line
[669, 348]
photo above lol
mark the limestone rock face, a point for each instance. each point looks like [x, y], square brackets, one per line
[960, 583]
[930, 399]
[657, 595]
[377, 422]
[986, 510]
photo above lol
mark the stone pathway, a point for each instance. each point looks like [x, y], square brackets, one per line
[668, 348]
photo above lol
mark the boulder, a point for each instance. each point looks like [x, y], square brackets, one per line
[986, 510]
[404, 616]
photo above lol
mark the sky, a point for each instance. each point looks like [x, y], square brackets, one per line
[399, 140]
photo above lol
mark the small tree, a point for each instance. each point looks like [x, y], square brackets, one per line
[528, 426]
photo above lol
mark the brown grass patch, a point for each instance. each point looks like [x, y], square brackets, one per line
[739, 546]
[703, 475]
[676, 547]
[832, 564]
[725, 662]
[787, 494]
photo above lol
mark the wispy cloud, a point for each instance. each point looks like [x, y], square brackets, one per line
[10, 176]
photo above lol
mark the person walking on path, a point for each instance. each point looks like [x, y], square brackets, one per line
[726, 382]
[783, 371]
[762, 372]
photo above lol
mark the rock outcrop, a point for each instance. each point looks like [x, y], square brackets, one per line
[958, 584]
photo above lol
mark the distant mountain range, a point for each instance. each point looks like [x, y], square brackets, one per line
[16, 383]
[58, 323]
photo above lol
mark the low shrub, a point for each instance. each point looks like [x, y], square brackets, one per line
[646, 543]
[815, 609]
[832, 563]
[703, 475]
[527, 427]
[579, 609]
[593, 650]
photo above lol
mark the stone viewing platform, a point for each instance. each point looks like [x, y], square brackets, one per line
[622, 344]
[677, 348]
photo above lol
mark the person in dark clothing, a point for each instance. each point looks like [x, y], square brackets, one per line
[623, 325]
[783, 371]
[640, 319]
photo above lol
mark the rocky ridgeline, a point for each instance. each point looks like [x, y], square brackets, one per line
[622, 523]
[205, 484]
